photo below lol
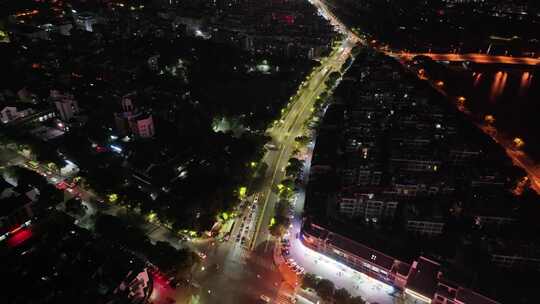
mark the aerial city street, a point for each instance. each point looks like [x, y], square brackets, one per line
[270, 151]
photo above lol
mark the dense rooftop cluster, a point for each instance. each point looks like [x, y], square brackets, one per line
[449, 26]
[412, 177]
[54, 255]
[132, 96]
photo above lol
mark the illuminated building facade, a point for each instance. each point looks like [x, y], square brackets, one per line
[422, 282]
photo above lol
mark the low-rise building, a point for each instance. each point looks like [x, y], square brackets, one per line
[423, 282]
[13, 112]
[65, 103]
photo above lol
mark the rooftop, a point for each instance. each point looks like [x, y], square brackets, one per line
[423, 277]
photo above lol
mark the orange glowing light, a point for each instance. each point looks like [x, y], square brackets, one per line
[28, 13]
[518, 142]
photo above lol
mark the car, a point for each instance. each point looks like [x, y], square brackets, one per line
[61, 185]
[265, 299]
[300, 270]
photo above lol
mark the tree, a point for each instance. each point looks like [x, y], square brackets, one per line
[334, 76]
[171, 260]
[356, 300]
[115, 230]
[281, 218]
[49, 196]
[75, 206]
[294, 167]
[356, 50]
[286, 189]
[342, 295]
[325, 289]
[309, 280]
[302, 140]
[27, 177]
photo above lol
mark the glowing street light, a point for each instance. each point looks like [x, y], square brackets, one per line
[113, 197]
[518, 142]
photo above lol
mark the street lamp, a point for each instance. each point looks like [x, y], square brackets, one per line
[489, 119]
[518, 142]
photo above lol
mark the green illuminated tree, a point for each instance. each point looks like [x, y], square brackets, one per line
[294, 167]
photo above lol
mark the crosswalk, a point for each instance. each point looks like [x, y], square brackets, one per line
[283, 299]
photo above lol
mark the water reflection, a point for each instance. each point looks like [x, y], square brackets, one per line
[498, 85]
[525, 83]
[477, 77]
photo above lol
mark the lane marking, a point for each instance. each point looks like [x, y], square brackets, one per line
[256, 235]
[282, 150]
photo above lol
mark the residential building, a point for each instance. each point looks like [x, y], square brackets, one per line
[131, 120]
[14, 112]
[368, 206]
[65, 104]
[426, 284]
[142, 125]
[15, 213]
[423, 281]
[425, 227]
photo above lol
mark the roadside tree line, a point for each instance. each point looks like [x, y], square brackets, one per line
[327, 291]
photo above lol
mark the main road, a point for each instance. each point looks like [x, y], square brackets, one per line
[283, 134]
[241, 270]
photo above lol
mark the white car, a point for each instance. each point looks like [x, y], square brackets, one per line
[265, 298]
